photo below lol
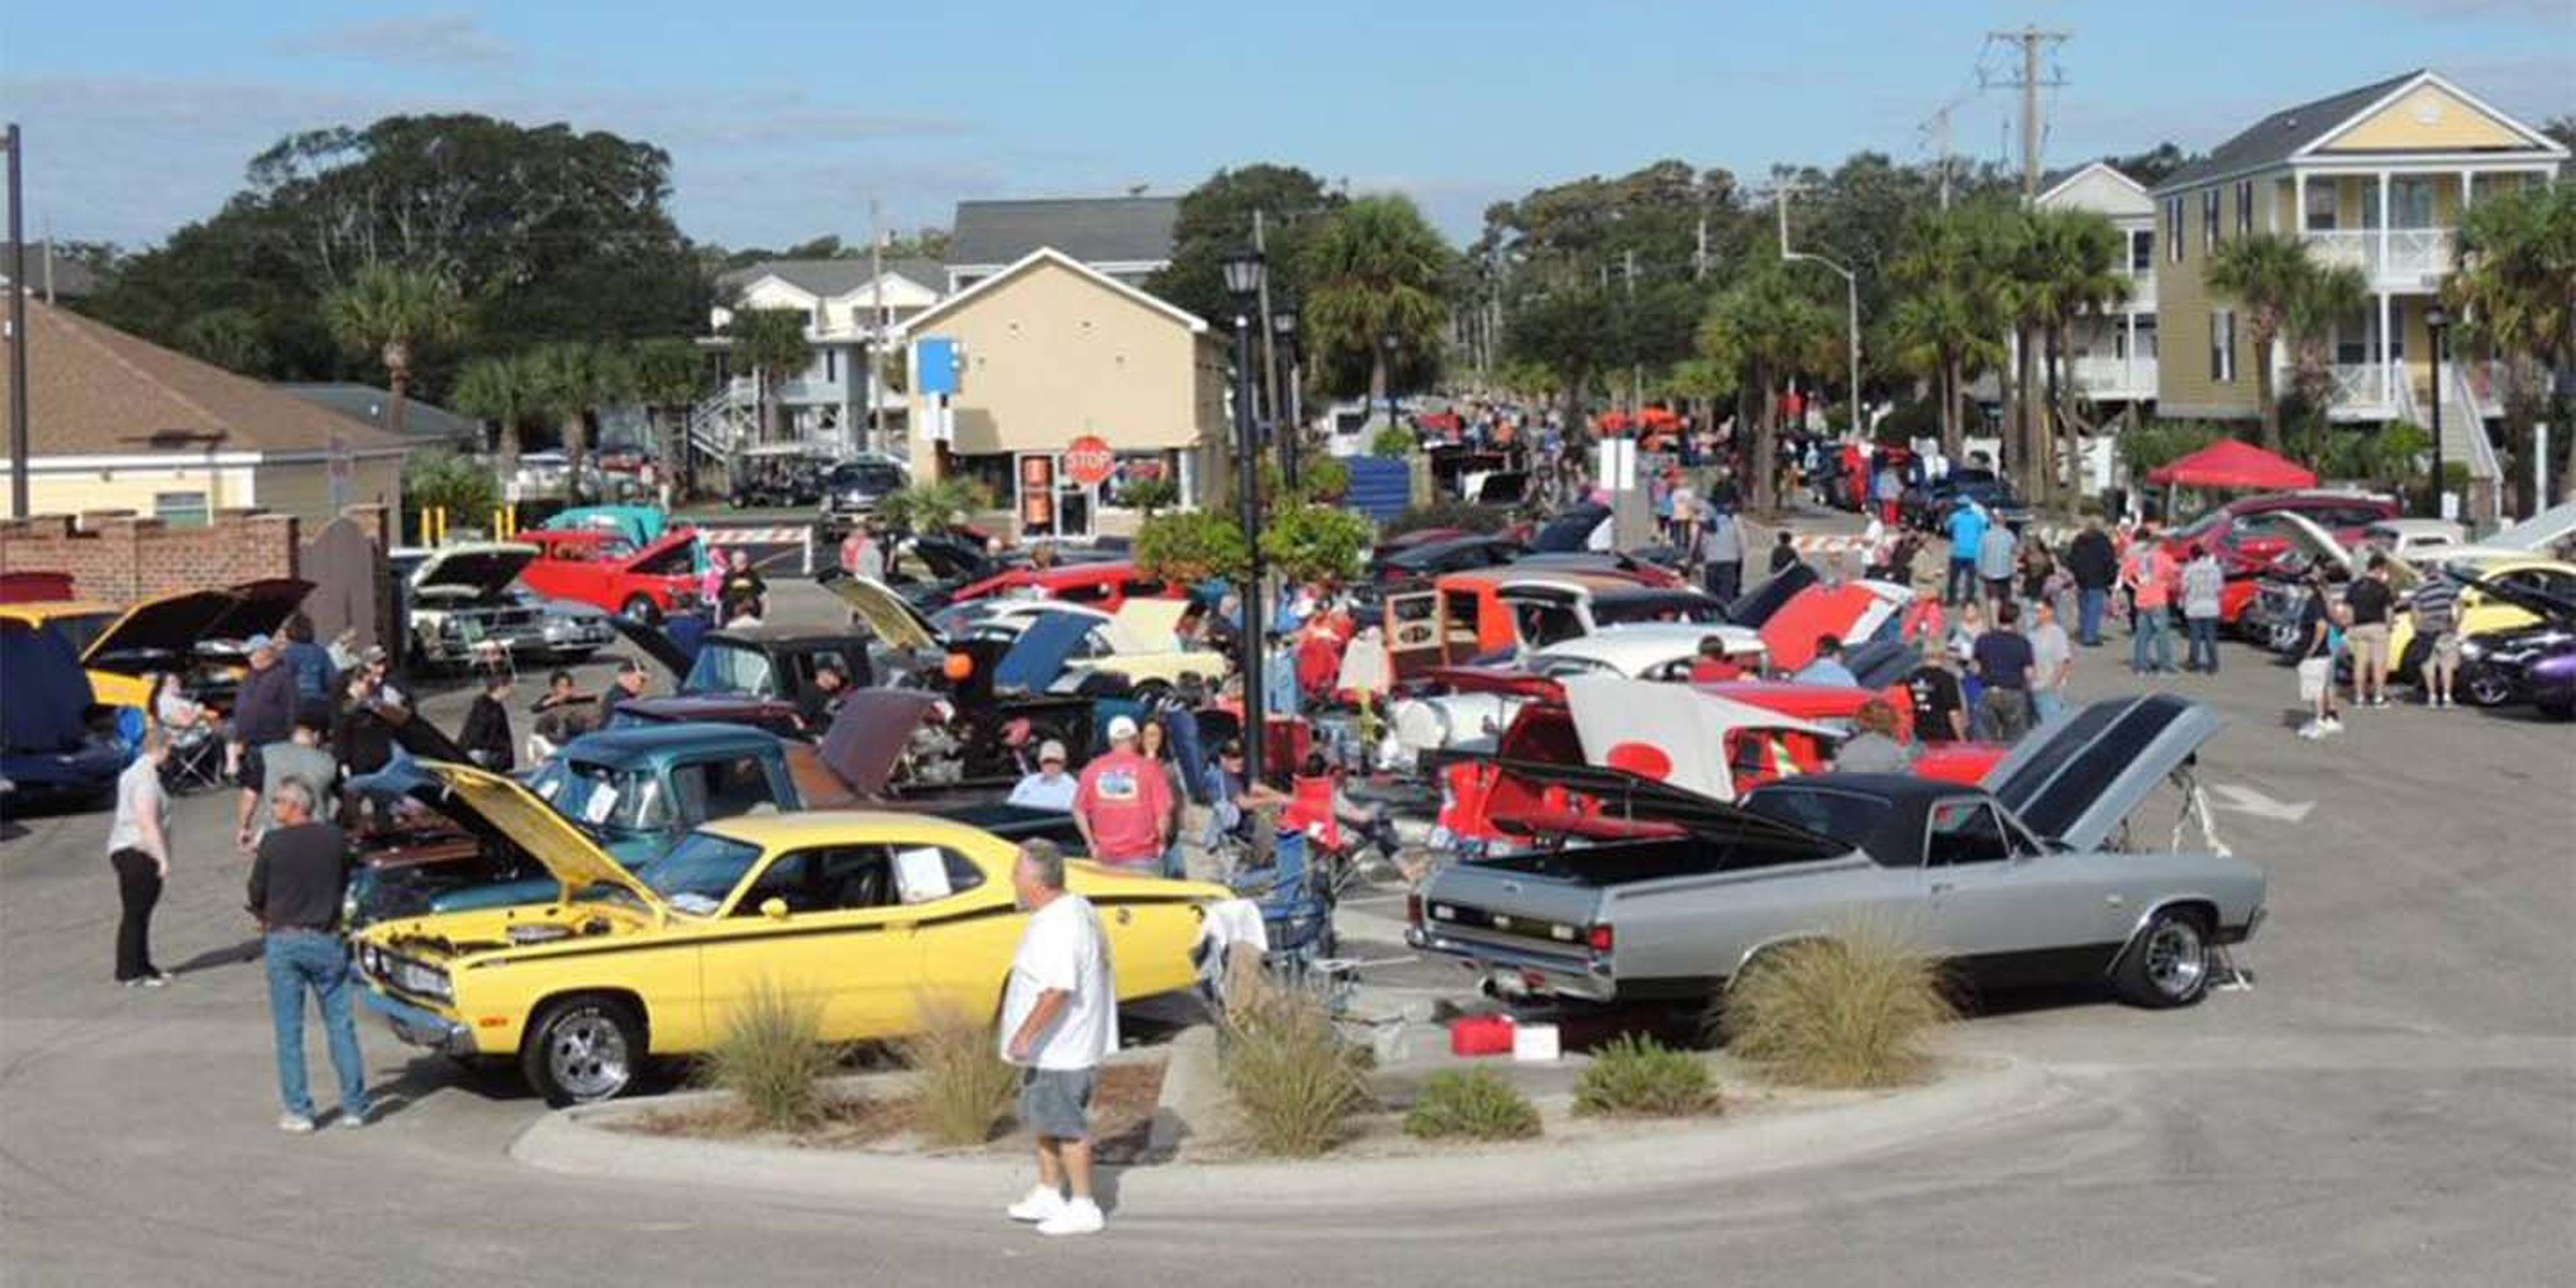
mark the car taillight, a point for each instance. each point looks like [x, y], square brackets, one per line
[1601, 939]
[1413, 908]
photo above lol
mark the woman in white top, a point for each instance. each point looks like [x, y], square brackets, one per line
[138, 848]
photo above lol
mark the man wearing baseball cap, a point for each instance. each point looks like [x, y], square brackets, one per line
[1050, 787]
[263, 712]
[1123, 803]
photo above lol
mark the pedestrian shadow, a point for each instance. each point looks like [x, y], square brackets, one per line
[246, 951]
[2295, 718]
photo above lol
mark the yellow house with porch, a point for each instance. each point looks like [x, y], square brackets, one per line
[2375, 177]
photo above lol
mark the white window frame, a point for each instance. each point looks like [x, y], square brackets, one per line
[2222, 346]
[2209, 224]
[194, 508]
[2244, 207]
[2173, 229]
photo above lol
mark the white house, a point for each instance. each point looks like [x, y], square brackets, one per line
[834, 402]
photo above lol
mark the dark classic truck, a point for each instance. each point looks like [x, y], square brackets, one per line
[2027, 877]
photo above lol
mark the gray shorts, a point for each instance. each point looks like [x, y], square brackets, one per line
[1057, 1102]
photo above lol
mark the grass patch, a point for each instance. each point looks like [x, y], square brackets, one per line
[1293, 1080]
[771, 1056]
[1471, 1104]
[1849, 1011]
[1633, 1076]
[961, 1085]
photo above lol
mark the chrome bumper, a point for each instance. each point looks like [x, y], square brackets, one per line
[421, 1028]
[1519, 971]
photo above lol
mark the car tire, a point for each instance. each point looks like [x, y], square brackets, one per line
[2168, 964]
[640, 608]
[582, 1049]
[2486, 686]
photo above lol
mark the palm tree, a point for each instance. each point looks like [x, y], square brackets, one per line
[2327, 293]
[2516, 292]
[1376, 269]
[502, 390]
[670, 374]
[1950, 327]
[2074, 257]
[1770, 329]
[391, 311]
[573, 380]
[2265, 275]
[771, 342]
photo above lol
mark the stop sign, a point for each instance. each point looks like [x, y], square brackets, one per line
[1089, 461]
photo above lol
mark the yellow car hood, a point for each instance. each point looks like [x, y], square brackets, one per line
[488, 801]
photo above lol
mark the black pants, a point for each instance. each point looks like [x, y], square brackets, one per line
[1724, 578]
[138, 887]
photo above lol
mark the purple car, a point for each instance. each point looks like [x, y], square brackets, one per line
[2549, 676]
[2534, 663]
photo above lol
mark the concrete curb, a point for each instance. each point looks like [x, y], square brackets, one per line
[1974, 1096]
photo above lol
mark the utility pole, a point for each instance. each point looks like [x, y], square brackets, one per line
[1637, 368]
[876, 341]
[2031, 40]
[1937, 126]
[1851, 297]
[17, 328]
[1699, 252]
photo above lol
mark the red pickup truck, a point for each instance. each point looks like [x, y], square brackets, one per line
[604, 568]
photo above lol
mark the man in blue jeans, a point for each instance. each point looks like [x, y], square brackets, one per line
[1967, 529]
[296, 884]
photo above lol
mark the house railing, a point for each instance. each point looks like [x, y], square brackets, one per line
[2360, 385]
[2100, 375]
[2408, 257]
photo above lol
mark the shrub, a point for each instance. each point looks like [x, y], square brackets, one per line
[435, 476]
[1634, 1077]
[1849, 1011]
[1293, 1079]
[772, 1058]
[1151, 495]
[1471, 1104]
[1310, 542]
[960, 1081]
[1323, 478]
[1465, 516]
[1192, 545]
[1394, 440]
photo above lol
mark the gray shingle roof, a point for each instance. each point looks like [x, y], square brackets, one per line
[1095, 230]
[423, 421]
[829, 277]
[2273, 139]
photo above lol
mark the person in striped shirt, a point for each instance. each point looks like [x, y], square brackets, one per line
[2437, 619]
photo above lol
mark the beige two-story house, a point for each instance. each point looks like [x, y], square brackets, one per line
[2375, 177]
[1047, 350]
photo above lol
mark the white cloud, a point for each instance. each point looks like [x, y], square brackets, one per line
[443, 39]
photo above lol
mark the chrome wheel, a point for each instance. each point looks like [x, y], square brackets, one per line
[587, 1057]
[2487, 688]
[2177, 960]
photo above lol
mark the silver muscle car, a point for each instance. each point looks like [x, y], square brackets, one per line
[2026, 877]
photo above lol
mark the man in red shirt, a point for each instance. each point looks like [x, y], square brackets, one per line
[2149, 575]
[1123, 803]
[1713, 666]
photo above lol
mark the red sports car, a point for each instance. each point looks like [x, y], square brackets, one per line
[603, 568]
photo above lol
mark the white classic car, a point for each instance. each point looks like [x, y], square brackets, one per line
[1661, 651]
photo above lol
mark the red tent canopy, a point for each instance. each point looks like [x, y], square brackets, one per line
[2230, 463]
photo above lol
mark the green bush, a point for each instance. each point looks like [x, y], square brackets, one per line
[1471, 1104]
[1394, 440]
[771, 1056]
[435, 477]
[1192, 545]
[1323, 478]
[959, 1079]
[1295, 1083]
[2162, 442]
[1311, 542]
[1634, 1077]
[1448, 514]
[934, 506]
[1150, 495]
[1848, 1011]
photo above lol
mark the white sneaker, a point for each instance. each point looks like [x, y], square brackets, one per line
[294, 1124]
[1080, 1216]
[2331, 724]
[1039, 1204]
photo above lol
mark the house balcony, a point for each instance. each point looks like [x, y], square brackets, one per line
[2110, 379]
[2142, 291]
[2395, 259]
[2363, 391]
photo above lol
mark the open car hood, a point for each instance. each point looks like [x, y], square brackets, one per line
[890, 617]
[1628, 723]
[1755, 606]
[2541, 604]
[950, 559]
[656, 644]
[497, 807]
[1039, 655]
[869, 733]
[174, 623]
[416, 735]
[1148, 625]
[2538, 533]
[1628, 799]
[481, 569]
[2076, 779]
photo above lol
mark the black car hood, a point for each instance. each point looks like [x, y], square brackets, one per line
[1755, 606]
[2547, 606]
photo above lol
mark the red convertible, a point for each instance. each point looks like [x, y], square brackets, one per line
[604, 568]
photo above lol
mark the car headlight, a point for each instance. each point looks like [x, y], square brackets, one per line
[2473, 648]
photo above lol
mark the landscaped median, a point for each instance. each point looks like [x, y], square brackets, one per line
[1195, 1162]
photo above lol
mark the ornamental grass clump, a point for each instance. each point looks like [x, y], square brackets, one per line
[961, 1086]
[772, 1058]
[1293, 1080]
[1471, 1104]
[1851, 1010]
[1634, 1077]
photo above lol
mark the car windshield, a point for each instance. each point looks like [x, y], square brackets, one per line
[725, 666]
[678, 557]
[609, 801]
[1657, 608]
[873, 476]
[700, 871]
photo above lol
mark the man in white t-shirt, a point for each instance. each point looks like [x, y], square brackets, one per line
[1059, 1020]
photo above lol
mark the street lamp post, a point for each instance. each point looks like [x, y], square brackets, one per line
[1851, 304]
[1390, 342]
[1283, 324]
[1243, 274]
[2437, 321]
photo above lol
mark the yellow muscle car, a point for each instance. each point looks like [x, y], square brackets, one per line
[874, 916]
[2480, 612]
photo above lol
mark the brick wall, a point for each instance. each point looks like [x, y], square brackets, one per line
[115, 556]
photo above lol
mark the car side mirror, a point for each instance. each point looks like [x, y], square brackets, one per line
[774, 908]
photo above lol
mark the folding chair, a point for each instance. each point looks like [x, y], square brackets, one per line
[196, 761]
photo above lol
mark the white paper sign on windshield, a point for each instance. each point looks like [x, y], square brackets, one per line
[602, 800]
[921, 874]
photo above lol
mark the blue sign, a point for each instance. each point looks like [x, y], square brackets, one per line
[934, 365]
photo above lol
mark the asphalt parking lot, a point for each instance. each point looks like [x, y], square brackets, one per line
[2390, 1104]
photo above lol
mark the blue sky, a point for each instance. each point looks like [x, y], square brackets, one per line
[785, 117]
